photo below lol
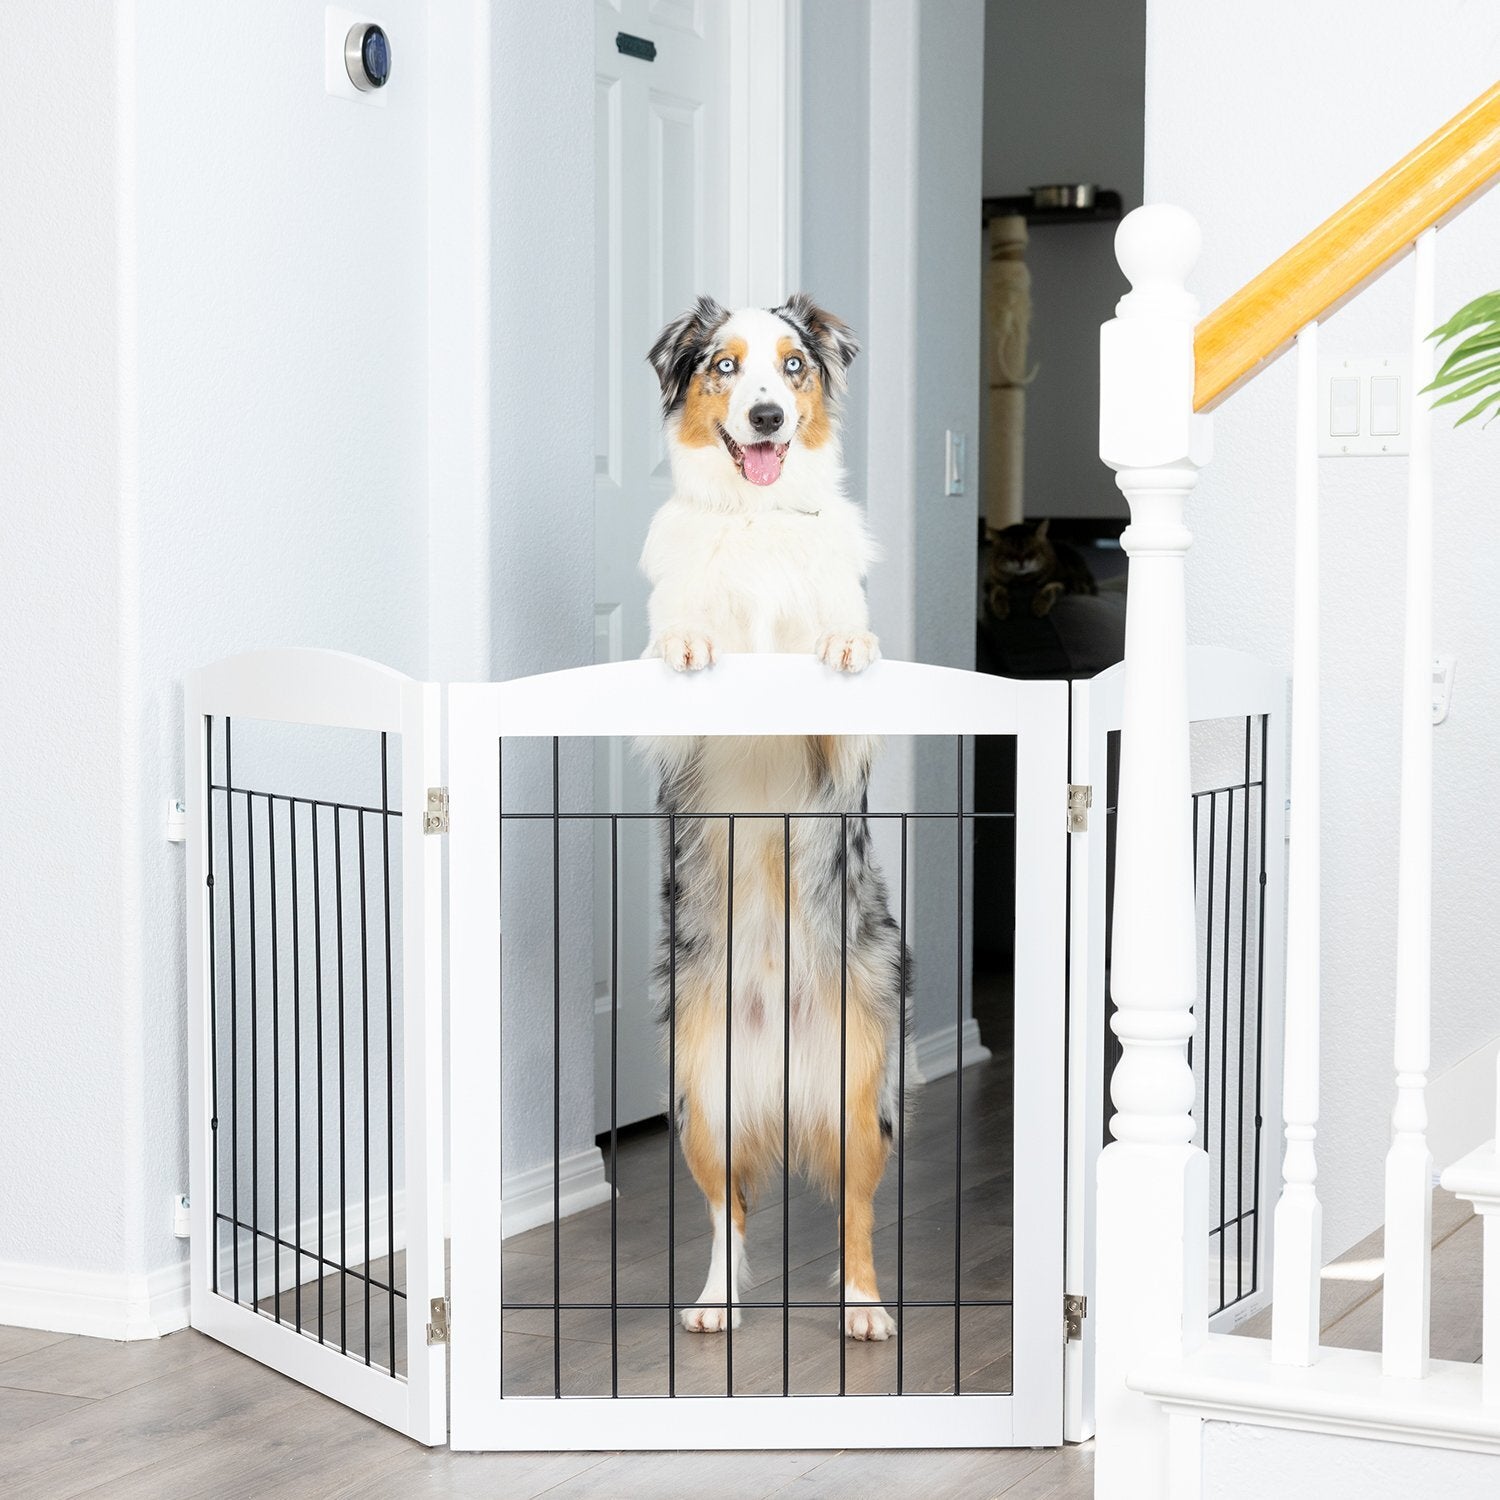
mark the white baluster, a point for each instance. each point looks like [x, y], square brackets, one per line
[1408, 1167]
[1153, 1183]
[1296, 1275]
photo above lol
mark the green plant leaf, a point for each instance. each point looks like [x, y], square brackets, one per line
[1482, 309]
[1477, 369]
[1491, 400]
[1476, 343]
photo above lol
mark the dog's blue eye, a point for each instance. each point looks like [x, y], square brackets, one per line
[793, 365]
[725, 367]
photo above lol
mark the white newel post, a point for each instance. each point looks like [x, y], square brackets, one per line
[1153, 1183]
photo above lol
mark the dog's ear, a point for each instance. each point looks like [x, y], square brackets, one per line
[829, 340]
[680, 347]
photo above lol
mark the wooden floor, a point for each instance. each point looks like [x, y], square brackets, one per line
[1352, 1292]
[185, 1416]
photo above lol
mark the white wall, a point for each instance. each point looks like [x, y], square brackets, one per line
[1064, 87]
[542, 522]
[67, 1112]
[215, 395]
[892, 98]
[1261, 121]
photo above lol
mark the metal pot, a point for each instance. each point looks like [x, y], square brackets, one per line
[1064, 195]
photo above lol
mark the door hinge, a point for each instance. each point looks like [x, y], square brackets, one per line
[437, 1329]
[1075, 1310]
[435, 819]
[1080, 799]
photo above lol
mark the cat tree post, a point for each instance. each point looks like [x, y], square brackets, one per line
[1007, 303]
[1153, 1182]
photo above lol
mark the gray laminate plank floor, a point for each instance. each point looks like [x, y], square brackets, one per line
[184, 1416]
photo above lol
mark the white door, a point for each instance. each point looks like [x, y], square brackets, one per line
[661, 232]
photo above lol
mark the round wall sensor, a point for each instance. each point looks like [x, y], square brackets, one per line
[367, 55]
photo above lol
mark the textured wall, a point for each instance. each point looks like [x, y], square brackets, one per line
[1257, 178]
[1064, 87]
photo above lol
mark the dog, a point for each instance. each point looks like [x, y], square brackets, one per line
[759, 549]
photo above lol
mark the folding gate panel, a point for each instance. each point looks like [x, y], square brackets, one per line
[315, 1026]
[564, 1339]
[1236, 707]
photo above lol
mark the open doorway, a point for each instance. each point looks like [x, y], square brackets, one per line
[1064, 120]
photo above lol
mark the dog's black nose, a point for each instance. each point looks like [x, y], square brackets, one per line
[765, 417]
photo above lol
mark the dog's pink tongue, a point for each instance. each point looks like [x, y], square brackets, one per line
[762, 463]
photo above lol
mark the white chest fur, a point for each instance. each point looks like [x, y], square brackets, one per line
[773, 579]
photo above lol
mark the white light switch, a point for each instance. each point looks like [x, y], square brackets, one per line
[1385, 405]
[1343, 406]
[953, 465]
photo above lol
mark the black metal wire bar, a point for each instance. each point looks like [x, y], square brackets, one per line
[254, 1054]
[958, 1082]
[742, 817]
[213, 988]
[296, 1056]
[1249, 1213]
[901, 1139]
[1260, 995]
[1224, 1041]
[556, 1069]
[356, 807]
[275, 1055]
[1208, 982]
[786, 1104]
[390, 1051]
[757, 1305]
[843, 1089]
[338, 908]
[729, 1258]
[318, 1042]
[286, 1244]
[364, 1034]
[1239, 1155]
[672, 1127]
[614, 1107]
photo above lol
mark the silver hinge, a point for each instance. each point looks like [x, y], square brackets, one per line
[1075, 1310]
[435, 819]
[1080, 799]
[437, 1329]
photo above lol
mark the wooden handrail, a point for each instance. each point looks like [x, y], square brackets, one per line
[1348, 247]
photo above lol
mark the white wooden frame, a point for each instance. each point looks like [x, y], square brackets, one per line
[330, 688]
[761, 694]
[1221, 685]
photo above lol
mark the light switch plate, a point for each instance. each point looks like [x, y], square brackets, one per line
[1442, 687]
[1360, 402]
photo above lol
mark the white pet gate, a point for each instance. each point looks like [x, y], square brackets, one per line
[318, 1108]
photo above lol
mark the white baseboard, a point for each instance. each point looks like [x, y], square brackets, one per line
[933, 1052]
[97, 1304]
[110, 1305]
[526, 1200]
[1461, 1106]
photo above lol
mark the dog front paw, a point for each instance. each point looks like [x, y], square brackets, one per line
[703, 1319]
[684, 650]
[848, 651]
[865, 1319]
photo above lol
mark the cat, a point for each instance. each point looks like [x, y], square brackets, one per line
[1025, 562]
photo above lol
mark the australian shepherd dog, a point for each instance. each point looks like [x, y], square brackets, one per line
[758, 549]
